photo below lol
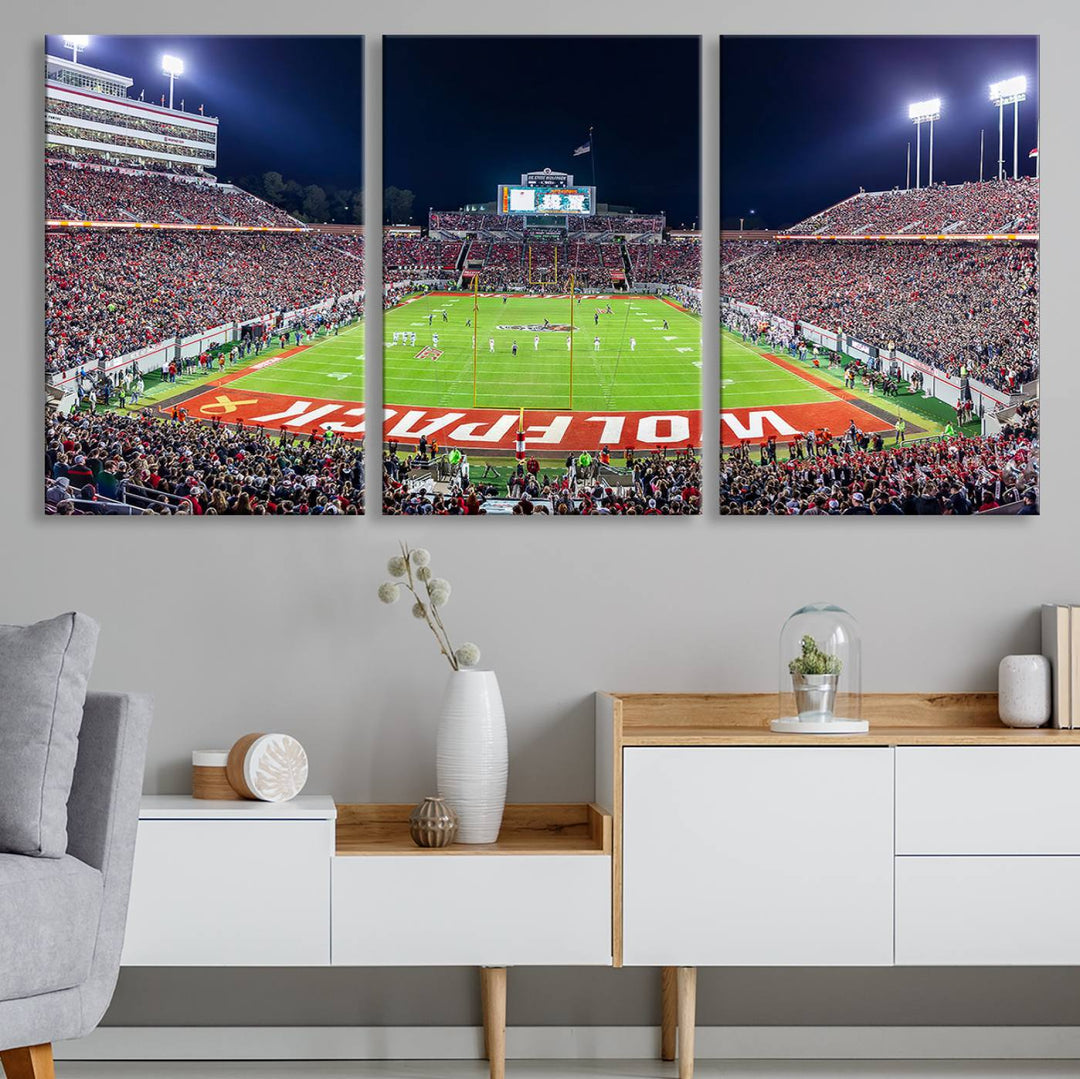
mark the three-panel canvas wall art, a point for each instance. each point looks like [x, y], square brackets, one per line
[540, 282]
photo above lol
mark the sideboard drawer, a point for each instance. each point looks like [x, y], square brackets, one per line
[462, 909]
[759, 856]
[243, 893]
[988, 800]
[981, 911]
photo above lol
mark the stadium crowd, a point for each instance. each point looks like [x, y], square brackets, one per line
[677, 263]
[109, 293]
[93, 462]
[55, 129]
[420, 253]
[654, 484]
[512, 265]
[962, 308]
[991, 206]
[64, 154]
[95, 114]
[94, 193]
[955, 475]
[615, 224]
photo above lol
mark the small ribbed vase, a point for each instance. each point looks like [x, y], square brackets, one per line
[470, 754]
[432, 823]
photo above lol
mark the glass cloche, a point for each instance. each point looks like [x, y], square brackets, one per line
[820, 672]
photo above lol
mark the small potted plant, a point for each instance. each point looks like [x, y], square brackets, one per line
[815, 675]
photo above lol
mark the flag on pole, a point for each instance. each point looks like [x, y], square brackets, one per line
[584, 148]
[1034, 153]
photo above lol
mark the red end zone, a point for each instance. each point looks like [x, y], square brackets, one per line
[785, 421]
[469, 428]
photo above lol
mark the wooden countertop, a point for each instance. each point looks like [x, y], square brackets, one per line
[878, 735]
[742, 719]
[575, 828]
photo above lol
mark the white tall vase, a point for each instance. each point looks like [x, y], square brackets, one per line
[470, 754]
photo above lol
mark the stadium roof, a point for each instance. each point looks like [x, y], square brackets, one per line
[61, 66]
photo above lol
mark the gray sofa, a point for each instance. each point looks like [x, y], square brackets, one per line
[62, 919]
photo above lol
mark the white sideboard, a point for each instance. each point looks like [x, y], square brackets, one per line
[231, 883]
[940, 838]
[308, 883]
[223, 883]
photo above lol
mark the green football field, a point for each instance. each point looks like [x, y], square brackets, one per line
[661, 370]
[330, 368]
[749, 380]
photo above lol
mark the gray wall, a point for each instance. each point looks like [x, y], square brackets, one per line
[237, 625]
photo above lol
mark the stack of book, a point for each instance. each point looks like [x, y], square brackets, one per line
[1061, 645]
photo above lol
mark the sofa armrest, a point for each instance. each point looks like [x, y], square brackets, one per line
[103, 815]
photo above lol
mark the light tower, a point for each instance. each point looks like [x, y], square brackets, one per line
[172, 66]
[1008, 92]
[919, 113]
[75, 42]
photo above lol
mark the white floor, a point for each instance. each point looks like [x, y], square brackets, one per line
[571, 1069]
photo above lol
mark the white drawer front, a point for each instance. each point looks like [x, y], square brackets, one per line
[230, 893]
[472, 910]
[758, 856]
[981, 911]
[988, 800]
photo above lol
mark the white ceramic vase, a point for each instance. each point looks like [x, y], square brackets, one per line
[1024, 691]
[470, 754]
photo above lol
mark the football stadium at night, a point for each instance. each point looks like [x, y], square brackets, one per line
[204, 341]
[542, 340]
[881, 354]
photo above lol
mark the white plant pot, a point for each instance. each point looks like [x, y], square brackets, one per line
[470, 754]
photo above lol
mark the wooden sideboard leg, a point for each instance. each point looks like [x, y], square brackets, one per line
[669, 1012]
[484, 1011]
[32, 1062]
[687, 981]
[493, 993]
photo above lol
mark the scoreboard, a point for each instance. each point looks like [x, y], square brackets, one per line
[513, 199]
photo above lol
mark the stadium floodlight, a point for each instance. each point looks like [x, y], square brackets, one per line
[1008, 92]
[172, 66]
[75, 42]
[919, 113]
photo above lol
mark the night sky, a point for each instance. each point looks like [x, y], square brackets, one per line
[807, 121]
[289, 104]
[463, 115]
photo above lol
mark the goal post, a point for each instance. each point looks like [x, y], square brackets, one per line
[555, 271]
[475, 330]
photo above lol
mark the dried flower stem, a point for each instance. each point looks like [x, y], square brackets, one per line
[431, 614]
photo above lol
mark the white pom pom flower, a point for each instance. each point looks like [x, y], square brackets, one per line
[418, 610]
[420, 557]
[396, 566]
[439, 591]
[424, 573]
[389, 592]
[468, 655]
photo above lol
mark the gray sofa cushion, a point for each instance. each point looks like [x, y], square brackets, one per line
[44, 669]
[49, 911]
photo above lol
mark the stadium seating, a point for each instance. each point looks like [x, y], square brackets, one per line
[93, 193]
[936, 477]
[993, 206]
[654, 484]
[109, 293]
[948, 304]
[195, 469]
